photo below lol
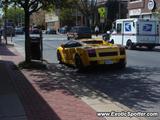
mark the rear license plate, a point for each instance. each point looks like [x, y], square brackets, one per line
[108, 62]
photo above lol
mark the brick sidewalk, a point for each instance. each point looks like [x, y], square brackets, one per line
[44, 101]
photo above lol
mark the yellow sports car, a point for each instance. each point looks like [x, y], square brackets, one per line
[89, 52]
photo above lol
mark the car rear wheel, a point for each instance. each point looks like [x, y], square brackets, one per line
[78, 62]
[59, 57]
[150, 47]
[121, 64]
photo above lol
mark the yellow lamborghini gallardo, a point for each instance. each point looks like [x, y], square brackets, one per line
[90, 52]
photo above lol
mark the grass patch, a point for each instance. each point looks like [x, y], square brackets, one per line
[32, 65]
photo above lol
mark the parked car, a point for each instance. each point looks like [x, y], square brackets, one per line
[51, 31]
[91, 52]
[35, 31]
[64, 30]
[19, 31]
[79, 32]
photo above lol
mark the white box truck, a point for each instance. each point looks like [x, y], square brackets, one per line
[134, 32]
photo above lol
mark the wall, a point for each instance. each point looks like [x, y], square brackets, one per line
[140, 8]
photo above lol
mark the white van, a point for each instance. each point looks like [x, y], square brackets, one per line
[134, 32]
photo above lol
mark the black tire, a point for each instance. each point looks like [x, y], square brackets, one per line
[78, 62]
[121, 65]
[59, 57]
[150, 47]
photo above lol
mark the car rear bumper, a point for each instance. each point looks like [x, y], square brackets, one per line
[106, 61]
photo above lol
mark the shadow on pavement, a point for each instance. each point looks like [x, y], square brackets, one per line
[5, 51]
[35, 106]
[156, 49]
[136, 87]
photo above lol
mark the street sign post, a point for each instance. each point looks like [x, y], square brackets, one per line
[102, 12]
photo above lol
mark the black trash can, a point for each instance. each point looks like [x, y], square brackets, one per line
[36, 52]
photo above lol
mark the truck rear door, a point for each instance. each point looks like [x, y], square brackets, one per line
[148, 31]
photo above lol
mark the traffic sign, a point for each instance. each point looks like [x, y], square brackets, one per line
[102, 12]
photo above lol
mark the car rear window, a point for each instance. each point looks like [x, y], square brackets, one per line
[84, 30]
[93, 42]
[81, 30]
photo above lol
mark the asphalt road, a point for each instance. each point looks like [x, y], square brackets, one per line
[137, 86]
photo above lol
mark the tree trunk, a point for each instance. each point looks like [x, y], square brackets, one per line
[27, 37]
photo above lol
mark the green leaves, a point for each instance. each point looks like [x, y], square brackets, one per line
[16, 15]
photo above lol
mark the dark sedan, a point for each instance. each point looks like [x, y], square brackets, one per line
[79, 32]
[34, 31]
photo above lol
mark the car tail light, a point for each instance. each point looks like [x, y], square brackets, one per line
[91, 52]
[122, 51]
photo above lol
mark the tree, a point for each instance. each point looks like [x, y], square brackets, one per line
[38, 19]
[31, 6]
[1, 23]
[157, 13]
[64, 10]
[88, 8]
[16, 15]
[66, 17]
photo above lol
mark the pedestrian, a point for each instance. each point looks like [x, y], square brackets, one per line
[96, 30]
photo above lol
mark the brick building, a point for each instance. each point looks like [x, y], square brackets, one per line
[143, 8]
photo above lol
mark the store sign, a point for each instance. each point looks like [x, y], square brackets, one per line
[151, 4]
[134, 12]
